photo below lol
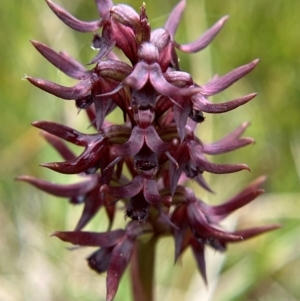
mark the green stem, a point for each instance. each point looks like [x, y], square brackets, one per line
[142, 269]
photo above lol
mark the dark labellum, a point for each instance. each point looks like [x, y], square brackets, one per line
[96, 42]
[84, 102]
[137, 208]
[197, 116]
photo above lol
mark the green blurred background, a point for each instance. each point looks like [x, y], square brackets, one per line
[36, 267]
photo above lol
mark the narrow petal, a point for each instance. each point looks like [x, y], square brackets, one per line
[91, 239]
[235, 134]
[229, 142]
[181, 115]
[66, 133]
[119, 260]
[223, 82]
[249, 233]
[106, 48]
[132, 146]
[151, 193]
[171, 159]
[202, 104]
[103, 105]
[70, 190]
[72, 61]
[77, 91]
[220, 148]
[154, 142]
[181, 238]
[181, 235]
[205, 39]
[241, 199]
[92, 203]
[220, 168]
[85, 161]
[127, 191]
[110, 209]
[202, 228]
[236, 203]
[138, 77]
[71, 21]
[182, 157]
[201, 181]
[165, 217]
[114, 162]
[115, 90]
[198, 251]
[59, 146]
[174, 174]
[62, 62]
[198, 158]
[174, 18]
[163, 87]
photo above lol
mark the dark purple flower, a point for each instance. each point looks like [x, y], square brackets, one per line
[198, 223]
[145, 161]
[115, 251]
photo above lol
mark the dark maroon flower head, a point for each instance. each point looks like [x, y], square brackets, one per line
[145, 162]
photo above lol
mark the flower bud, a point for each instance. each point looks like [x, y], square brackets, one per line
[127, 16]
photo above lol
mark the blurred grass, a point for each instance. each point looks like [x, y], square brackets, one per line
[35, 267]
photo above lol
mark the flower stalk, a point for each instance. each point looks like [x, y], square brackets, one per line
[162, 106]
[142, 270]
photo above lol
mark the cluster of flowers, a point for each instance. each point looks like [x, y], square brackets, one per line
[162, 106]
